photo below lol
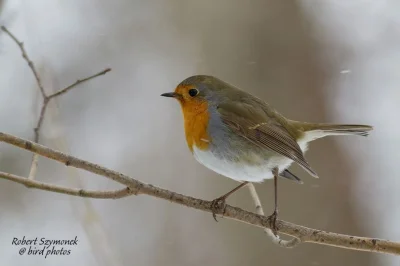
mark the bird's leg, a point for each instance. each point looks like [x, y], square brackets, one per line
[219, 203]
[274, 215]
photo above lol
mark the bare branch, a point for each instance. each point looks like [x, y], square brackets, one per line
[46, 99]
[259, 210]
[79, 81]
[139, 188]
[27, 59]
[114, 194]
[40, 119]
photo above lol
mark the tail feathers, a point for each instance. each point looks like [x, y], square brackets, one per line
[315, 131]
[357, 132]
[289, 175]
[332, 129]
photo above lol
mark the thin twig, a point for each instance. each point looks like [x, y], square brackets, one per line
[97, 194]
[46, 98]
[139, 188]
[40, 120]
[27, 59]
[79, 81]
[259, 210]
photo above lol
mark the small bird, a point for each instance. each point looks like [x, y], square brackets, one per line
[240, 136]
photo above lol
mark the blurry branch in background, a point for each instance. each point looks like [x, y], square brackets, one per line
[135, 187]
[259, 210]
[46, 98]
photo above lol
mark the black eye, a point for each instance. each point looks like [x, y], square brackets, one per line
[193, 92]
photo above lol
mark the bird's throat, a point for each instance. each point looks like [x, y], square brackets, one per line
[196, 119]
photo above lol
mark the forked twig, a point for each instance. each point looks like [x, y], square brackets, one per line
[96, 194]
[46, 98]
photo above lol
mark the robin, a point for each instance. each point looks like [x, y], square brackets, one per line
[240, 136]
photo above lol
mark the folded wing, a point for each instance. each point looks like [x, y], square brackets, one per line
[263, 130]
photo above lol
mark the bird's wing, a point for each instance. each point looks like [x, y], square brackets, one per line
[262, 129]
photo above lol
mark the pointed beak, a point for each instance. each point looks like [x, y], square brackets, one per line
[170, 94]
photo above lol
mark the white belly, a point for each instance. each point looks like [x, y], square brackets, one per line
[242, 172]
[239, 171]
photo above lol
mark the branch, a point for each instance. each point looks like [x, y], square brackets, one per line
[93, 227]
[113, 194]
[139, 188]
[46, 98]
[79, 81]
[275, 238]
[27, 59]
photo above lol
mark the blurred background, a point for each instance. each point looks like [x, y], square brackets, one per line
[317, 61]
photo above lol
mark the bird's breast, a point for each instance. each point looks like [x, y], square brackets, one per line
[196, 126]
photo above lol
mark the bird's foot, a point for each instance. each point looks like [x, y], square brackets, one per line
[272, 221]
[218, 205]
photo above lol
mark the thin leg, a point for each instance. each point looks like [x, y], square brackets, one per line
[276, 174]
[233, 190]
[274, 215]
[219, 203]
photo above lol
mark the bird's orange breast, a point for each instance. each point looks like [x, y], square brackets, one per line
[196, 118]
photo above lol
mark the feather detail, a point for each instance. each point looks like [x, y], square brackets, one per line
[263, 130]
[312, 131]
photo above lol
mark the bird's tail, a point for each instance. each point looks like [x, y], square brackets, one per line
[315, 131]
